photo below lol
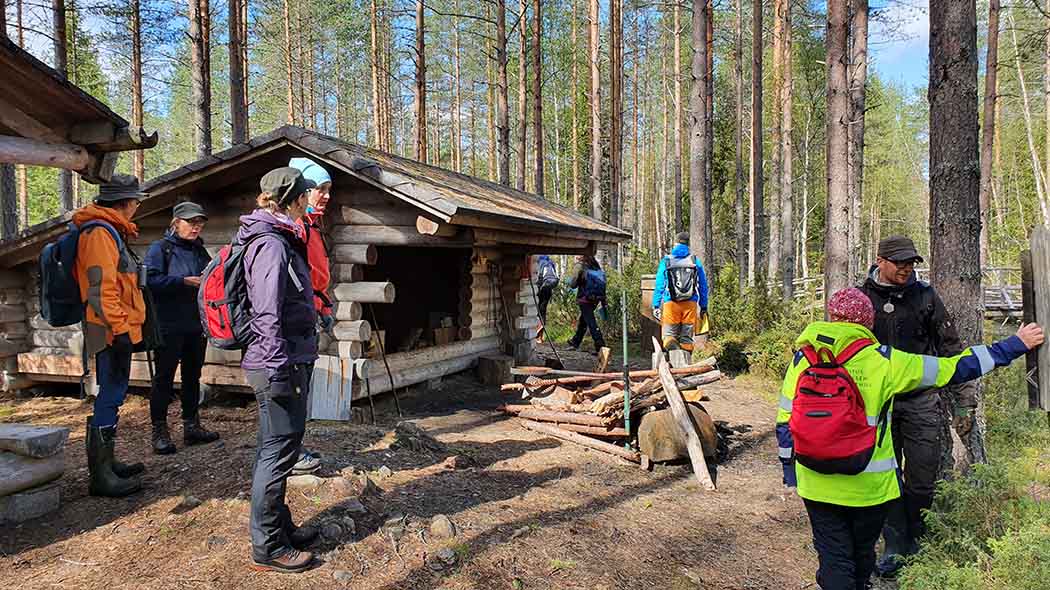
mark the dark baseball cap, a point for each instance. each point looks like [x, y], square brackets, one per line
[188, 210]
[286, 183]
[898, 249]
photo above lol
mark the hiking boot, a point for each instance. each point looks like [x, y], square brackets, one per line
[302, 536]
[309, 462]
[123, 470]
[103, 481]
[291, 561]
[194, 434]
[162, 444]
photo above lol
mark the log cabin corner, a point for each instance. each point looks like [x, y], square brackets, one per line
[428, 263]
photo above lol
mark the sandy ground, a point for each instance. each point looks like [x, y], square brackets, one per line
[531, 512]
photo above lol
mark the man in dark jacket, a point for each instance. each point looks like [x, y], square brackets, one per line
[588, 278]
[909, 316]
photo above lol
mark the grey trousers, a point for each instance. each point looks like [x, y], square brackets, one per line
[282, 422]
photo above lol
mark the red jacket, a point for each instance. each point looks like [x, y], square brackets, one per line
[317, 257]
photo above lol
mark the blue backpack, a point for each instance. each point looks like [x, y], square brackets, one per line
[593, 284]
[60, 302]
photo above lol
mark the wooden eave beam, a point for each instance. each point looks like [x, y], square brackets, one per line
[28, 127]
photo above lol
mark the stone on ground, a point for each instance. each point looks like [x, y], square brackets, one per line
[19, 473]
[36, 442]
[442, 528]
[661, 439]
[31, 503]
[409, 436]
[305, 482]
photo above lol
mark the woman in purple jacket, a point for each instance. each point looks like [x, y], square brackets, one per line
[279, 361]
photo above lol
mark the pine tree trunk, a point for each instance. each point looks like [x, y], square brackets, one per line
[679, 222]
[139, 158]
[699, 206]
[537, 92]
[421, 86]
[804, 210]
[199, 78]
[709, 143]
[596, 113]
[290, 106]
[756, 254]
[836, 245]
[858, 81]
[23, 177]
[787, 170]
[573, 100]
[502, 107]
[523, 97]
[988, 133]
[238, 109]
[457, 108]
[8, 188]
[773, 259]
[376, 61]
[615, 118]
[245, 68]
[955, 216]
[58, 13]
[738, 136]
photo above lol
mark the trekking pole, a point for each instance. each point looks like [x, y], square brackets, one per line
[543, 326]
[382, 353]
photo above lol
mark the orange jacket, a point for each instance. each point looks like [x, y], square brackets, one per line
[317, 258]
[108, 279]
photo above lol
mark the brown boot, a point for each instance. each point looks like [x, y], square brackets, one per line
[292, 561]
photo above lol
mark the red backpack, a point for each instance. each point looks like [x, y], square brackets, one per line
[222, 300]
[829, 423]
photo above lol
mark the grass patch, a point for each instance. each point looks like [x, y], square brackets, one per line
[562, 564]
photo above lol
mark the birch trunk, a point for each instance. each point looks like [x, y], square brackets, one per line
[787, 171]
[1037, 169]
[738, 136]
[773, 260]
[988, 133]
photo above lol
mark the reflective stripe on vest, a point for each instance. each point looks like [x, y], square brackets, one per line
[984, 357]
[881, 466]
[785, 403]
[930, 368]
[785, 452]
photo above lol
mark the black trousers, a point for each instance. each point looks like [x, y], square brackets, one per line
[586, 322]
[179, 349]
[920, 433]
[845, 538]
[543, 299]
[279, 437]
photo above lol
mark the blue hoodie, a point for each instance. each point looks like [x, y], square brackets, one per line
[660, 291]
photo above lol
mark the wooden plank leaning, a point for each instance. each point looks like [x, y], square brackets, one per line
[685, 422]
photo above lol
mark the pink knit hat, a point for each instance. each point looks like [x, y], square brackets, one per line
[851, 305]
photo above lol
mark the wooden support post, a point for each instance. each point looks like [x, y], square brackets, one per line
[1041, 290]
[1031, 359]
[685, 422]
[30, 152]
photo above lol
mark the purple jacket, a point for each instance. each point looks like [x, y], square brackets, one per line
[283, 317]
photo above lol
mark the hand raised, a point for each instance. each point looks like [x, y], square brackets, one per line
[1031, 335]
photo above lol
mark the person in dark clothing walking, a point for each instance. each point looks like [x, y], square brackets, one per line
[546, 281]
[588, 278]
[910, 316]
[174, 265]
[279, 361]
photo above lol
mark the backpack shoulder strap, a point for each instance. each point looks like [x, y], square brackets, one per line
[811, 355]
[112, 230]
[852, 350]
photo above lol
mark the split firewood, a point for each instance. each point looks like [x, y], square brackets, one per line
[582, 440]
[550, 416]
[603, 359]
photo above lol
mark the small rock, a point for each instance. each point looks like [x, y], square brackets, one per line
[305, 482]
[442, 528]
[385, 472]
[354, 506]
[395, 525]
[332, 531]
[214, 542]
[350, 471]
[447, 556]
[519, 532]
[342, 575]
[350, 526]
[188, 503]
[242, 496]
[457, 462]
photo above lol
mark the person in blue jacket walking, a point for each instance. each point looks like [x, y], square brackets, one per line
[681, 287]
[174, 265]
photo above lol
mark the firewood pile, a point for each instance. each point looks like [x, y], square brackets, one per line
[588, 408]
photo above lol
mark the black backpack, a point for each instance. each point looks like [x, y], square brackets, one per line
[60, 302]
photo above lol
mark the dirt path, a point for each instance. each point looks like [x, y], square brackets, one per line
[532, 512]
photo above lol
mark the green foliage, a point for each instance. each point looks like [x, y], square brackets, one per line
[991, 528]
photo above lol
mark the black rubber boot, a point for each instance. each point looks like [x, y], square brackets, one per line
[899, 542]
[194, 434]
[103, 481]
[123, 470]
[162, 444]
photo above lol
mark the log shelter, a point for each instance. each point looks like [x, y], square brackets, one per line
[428, 265]
[45, 120]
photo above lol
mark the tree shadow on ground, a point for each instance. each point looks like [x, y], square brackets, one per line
[422, 578]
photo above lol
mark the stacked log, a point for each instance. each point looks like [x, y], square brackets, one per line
[591, 405]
